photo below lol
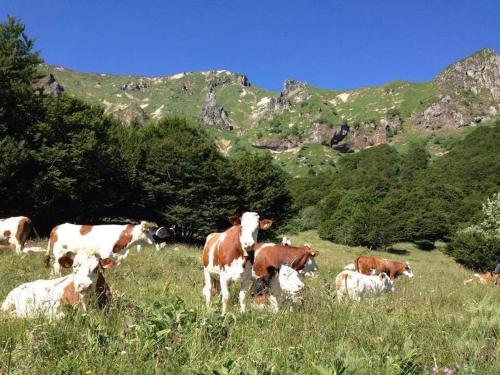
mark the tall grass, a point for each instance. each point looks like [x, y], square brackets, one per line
[157, 323]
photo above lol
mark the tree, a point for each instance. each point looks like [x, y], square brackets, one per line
[263, 187]
[478, 245]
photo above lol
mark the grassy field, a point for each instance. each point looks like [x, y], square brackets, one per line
[157, 323]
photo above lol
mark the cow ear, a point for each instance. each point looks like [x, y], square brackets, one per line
[265, 224]
[66, 261]
[234, 220]
[107, 263]
[314, 253]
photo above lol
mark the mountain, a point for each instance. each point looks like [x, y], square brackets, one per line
[305, 127]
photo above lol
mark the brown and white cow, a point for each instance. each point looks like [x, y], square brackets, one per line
[227, 256]
[374, 266]
[106, 241]
[300, 258]
[483, 278]
[15, 231]
[46, 297]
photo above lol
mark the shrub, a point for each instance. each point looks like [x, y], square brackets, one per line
[478, 245]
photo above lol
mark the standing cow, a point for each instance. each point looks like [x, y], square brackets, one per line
[107, 241]
[15, 231]
[300, 258]
[371, 265]
[46, 297]
[227, 256]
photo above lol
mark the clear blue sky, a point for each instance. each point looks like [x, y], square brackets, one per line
[330, 44]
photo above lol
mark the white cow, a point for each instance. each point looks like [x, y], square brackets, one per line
[285, 283]
[15, 231]
[356, 285]
[107, 241]
[46, 297]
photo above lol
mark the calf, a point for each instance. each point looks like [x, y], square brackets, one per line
[483, 278]
[46, 297]
[106, 241]
[228, 256]
[371, 265]
[355, 285]
[15, 231]
[284, 281]
[300, 258]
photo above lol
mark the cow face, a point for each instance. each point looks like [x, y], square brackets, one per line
[250, 225]
[387, 283]
[408, 271]
[311, 266]
[289, 281]
[85, 268]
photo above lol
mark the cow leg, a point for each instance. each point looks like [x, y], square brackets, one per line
[246, 279]
[139, 248]
[224, 291]
[13, 241]
[207, 289]
[57, 267]
[273, 304]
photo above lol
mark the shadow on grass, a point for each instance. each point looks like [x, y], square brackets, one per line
[398, 251]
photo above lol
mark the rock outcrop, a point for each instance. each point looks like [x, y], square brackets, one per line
[478, 73]
[213, 114]
[277, 144]
[369, 134]
[324, 134]
[469, 93]
[48, 84]
[134, 86]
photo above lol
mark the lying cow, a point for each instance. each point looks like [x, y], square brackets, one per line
[373, 266]
[355, 285]
[300, 258]
[46, 297]
[285, 241]
[228, 256]
[106, 241]
[483, 278]
[15, 231]
[283, 282]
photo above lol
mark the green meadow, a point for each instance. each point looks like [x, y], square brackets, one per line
[157, 322]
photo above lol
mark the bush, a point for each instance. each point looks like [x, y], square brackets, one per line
[475, 251]
[478, 246]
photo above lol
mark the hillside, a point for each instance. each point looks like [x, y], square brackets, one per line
[303, 126]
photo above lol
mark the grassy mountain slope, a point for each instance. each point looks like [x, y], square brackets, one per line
[466, 92]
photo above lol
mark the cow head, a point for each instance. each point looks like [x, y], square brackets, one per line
[85, 268]
[311, 266]
[408, 271]
[250, 225]
[386, 282]
[161, 234]
[290, 282]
